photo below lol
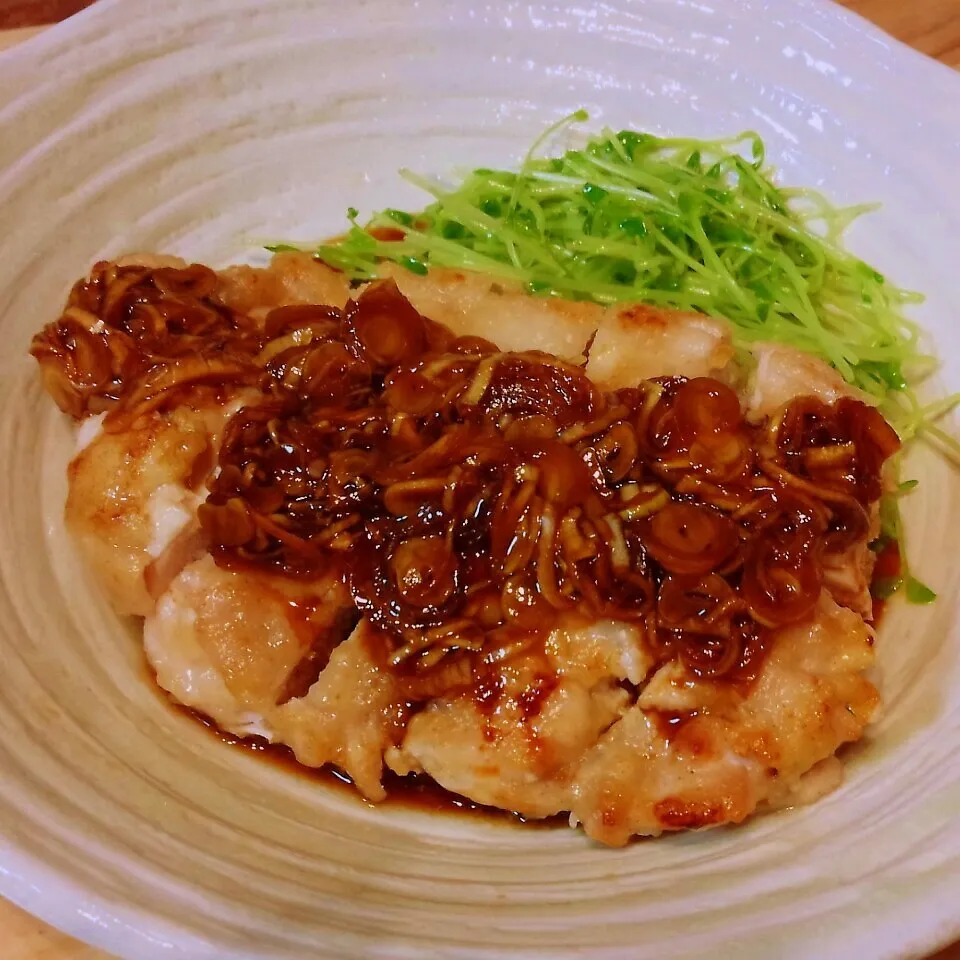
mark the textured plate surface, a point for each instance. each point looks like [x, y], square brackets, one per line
[201, 128]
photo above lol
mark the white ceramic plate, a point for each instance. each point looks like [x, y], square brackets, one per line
[201, 128]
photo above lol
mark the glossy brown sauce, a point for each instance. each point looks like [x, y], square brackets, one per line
[412, 792]
[670, 723]
[465, 500]
[470, 499]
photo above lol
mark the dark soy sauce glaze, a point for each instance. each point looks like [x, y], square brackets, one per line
[469, 500]
[465, 501]
[413, 792]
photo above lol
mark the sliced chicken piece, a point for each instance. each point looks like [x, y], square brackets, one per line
[516, 742]
[129, 504]
[133, 495]
[478, 305]
[545, 732]
[726, 754]
[470, 304]
[292, 278]
[633, 341]
[813, 694]
[643, 779]
[822, 778]
[231, 644]
[597, 652]
[637, 342]
[784, 373]
[351, 716]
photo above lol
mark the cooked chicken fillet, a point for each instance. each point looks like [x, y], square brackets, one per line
[517, 747]
[783, 373]
[732, 753]
[350, 716]
[631, 342]
[476, 305]
[581, 721]
[292, 278]
[470, 304]
[133, 496]
[227, 643]
[233, 646]
[637, 342]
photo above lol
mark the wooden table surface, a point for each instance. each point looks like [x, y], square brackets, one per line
[932, 26]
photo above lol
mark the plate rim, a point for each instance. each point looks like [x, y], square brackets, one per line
[106, 925]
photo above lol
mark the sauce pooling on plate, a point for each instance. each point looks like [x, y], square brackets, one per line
[411, 792]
